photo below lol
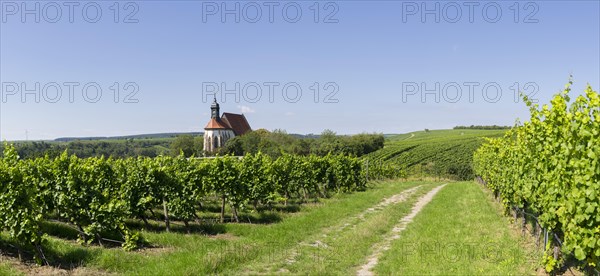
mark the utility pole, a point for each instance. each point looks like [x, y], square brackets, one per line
[26, 135]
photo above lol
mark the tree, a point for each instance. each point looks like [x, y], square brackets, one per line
[233, 146]
[185, 144]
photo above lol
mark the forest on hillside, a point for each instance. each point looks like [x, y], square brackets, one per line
[273, 143]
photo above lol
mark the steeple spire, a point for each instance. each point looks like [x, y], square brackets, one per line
[214, 108]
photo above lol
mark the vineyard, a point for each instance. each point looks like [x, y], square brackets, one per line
[550, 166]
[439, 153]
[101, 197]
[318, 214]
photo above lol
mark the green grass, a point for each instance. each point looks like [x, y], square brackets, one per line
[460, 232]
[7, 269]
[341, 247]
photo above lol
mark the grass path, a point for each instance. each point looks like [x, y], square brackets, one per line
[461, 232]
[350, 237]
[380, 248]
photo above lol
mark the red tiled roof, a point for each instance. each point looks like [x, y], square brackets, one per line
[238, 123]
[217, 124]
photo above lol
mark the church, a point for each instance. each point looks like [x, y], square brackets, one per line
[222, 128]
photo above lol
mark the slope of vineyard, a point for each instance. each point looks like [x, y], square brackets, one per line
[441, 153]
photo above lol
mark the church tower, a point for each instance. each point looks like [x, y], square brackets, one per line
[216, 132]
[214, 108]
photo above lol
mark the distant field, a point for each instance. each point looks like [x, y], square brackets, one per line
[441, 153]
[444, 135]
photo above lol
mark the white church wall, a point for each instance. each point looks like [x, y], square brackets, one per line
[216, 138]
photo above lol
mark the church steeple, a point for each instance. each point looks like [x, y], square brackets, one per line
[214, 108]
[220, 129]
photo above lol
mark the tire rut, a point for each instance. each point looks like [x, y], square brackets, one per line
[380, 248]
[344, 224]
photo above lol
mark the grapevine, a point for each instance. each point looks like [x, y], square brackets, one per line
[551, 164]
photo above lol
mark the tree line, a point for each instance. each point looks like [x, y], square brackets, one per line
[492, 127]
[90, 148]
[272, 143]
[275, 143]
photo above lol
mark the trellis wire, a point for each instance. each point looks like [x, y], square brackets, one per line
[518, 211]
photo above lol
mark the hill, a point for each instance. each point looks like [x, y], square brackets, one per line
[441, 153]
[138, 136]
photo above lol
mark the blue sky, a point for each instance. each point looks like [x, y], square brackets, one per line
[370, 54]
